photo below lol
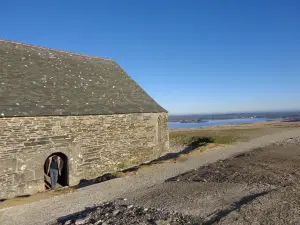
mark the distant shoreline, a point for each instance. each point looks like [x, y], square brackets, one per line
[241, 118]
[188, 121]
[256, 125]
[199, 118]
[210, 123]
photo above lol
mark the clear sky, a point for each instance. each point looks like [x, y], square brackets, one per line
[192, 56]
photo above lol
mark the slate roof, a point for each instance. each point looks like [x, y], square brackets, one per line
[37, 81]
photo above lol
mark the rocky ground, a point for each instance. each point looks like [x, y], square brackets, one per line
[278, 165]
[258, 187]
[114, 213]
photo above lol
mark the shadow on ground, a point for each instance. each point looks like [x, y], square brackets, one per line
[114, 213]
[194, 142]
[17, 197]
[217, 216]
[76, 215]
[100, 179]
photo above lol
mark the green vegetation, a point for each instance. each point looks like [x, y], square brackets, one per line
[128, 163]
[121, 165]
[116, 174]
[202, 137]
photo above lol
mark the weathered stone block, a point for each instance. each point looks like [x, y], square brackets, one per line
[29, 175]
[39, 173]
[19, 178]
[93, 145]
[34, 186]
[8, 166]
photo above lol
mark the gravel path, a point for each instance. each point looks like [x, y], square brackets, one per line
[48, 210]
[262, 184]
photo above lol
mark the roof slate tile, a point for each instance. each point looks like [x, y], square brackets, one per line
[37, 81]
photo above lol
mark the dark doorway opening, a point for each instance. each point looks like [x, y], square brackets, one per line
[63, 180]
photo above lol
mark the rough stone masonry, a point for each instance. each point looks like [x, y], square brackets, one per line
[84, 108]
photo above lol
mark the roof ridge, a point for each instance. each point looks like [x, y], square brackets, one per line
[56, 50]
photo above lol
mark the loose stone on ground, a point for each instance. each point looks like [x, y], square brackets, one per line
[114, 213]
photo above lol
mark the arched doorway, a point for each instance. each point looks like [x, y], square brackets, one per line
[63, 180]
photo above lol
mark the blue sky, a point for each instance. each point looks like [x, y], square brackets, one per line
[192, 56]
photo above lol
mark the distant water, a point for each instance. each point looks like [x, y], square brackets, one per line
[218, 122]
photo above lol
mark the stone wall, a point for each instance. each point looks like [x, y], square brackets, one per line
[93, 144]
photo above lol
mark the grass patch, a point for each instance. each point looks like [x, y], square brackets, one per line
[200, 137]
[128, 163]
[121, 165]
[189, 140]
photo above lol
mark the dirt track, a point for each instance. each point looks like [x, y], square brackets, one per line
[257, 187]
[278, 164]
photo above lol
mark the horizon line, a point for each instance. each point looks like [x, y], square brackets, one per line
[241, 112]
